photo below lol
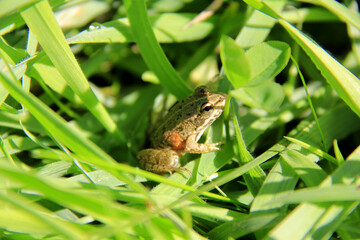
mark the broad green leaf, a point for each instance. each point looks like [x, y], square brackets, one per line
[264, 7]
[313, 149]
[297, 223]
[110, 32]
[215, 214]
[305, 168]
[55, 169]
[14, 20]
[167, 27]
[280, 181]
[258, 26]
[267, 60]
[241, 227]
[235, 62]
[268, 95]
[341, 79]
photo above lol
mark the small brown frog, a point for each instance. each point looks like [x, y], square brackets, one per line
[180, 129]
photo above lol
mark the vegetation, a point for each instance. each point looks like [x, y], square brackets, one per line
[77, 91]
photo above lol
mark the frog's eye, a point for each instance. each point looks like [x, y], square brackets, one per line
[206, 108]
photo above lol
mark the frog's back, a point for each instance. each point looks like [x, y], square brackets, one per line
[189, 116]
[180, 119]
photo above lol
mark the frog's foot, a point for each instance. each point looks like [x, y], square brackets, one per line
[193, 147]
[159, 161]
[217, 144]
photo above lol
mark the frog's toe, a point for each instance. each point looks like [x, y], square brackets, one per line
[218, 143]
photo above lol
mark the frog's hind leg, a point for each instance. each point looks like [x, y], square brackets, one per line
[160, 161]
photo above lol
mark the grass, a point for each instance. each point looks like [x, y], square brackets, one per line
[76, 93]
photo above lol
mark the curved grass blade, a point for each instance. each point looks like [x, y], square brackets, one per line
[21, 215]
[151, 51]
[42, 23]
[341, 79]
[341, 11]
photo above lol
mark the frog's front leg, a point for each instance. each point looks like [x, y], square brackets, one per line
[159, 161]
[193, 147]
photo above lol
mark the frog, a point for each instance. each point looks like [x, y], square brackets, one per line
[180, 129]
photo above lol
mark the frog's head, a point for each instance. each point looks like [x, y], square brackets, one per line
[211, 104]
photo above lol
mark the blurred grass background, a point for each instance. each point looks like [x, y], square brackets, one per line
[80, 79]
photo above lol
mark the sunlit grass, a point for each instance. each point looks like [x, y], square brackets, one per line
[75, 107]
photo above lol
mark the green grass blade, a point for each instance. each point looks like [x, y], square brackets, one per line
[151, 51]
[44, 71]
[71, 138]
[225, 178]
[341, 79]
[309, 100]
[319, 221]
[335, 193]
[10, 54]
[282, 178]
[59, 192]
[7, 6]
[54, 124]
[256, 176]
[340, 11]
[28, 217]
[315, 150]
[42, 23]
[338, 154]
